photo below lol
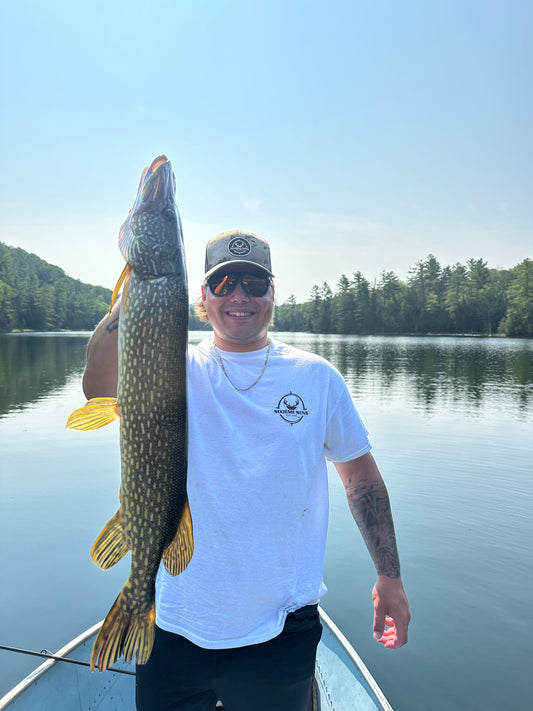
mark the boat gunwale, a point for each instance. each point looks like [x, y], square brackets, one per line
[37, 673]
[67, 649]
[357, 661]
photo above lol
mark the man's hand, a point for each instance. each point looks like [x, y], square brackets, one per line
[391, 612]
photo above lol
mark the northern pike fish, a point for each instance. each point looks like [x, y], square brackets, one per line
[154, 519]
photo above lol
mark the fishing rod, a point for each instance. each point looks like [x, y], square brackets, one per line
[49, 655]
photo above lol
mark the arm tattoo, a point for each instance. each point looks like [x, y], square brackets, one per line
[370, 507]
[112, 326]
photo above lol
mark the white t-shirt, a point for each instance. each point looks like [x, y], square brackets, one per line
[257, 486]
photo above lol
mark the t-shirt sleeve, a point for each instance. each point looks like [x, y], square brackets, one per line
[346, 435]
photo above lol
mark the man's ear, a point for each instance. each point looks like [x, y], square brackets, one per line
[204, 295]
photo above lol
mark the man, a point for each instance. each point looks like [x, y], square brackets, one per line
[240, 624]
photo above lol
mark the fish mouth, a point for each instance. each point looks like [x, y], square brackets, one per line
[157, 181]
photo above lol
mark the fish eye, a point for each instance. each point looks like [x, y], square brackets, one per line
[168, 214]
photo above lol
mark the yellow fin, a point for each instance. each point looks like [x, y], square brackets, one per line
[140, 638]
[123, 633]
[111, 545]
[177, 555]
[122, 278]
[97, 412]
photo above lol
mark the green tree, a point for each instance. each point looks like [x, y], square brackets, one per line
[361, 297]
[456, 297]
[425, 300]
[7, 308]
[344, 307]
[519, 318]
[390, 300]
[478, 297]
[290, 316]
[315, 311]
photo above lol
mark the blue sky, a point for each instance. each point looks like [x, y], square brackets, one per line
[353, 135]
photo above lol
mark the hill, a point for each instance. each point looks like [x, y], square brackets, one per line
[38, 296]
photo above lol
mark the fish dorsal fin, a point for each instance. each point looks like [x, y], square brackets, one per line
[122, 278]
[112, 543]
[96, 413]
[177, 555]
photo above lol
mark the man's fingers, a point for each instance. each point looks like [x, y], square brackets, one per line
[391, 613]
[401, 634]
[392, 636]
[379, 622]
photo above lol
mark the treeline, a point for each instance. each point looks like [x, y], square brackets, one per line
[38, 296]
[471, 298]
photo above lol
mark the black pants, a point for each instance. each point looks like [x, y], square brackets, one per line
[276, 674]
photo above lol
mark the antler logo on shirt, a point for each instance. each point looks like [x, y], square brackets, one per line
[291, 408]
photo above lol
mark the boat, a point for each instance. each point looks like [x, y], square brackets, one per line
[64, 683]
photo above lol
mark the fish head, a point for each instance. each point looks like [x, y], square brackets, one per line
[151, 239]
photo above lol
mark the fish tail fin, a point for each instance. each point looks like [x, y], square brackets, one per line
[124, 632]
[140, 637]
[177, 555]
[112, 543]
[96, 413]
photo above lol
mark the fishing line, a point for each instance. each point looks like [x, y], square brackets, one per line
[48, 655]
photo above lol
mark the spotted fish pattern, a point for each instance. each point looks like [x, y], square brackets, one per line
[153, 520]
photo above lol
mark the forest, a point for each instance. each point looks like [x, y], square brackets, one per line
[463, 299]
[37, 296]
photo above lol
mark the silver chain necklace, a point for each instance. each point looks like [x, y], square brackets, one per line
[230, 380]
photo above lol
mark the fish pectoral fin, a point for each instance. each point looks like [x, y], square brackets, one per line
[122, 278]
[124, 632]
[111, 545]
[177, 555]
[96, 413]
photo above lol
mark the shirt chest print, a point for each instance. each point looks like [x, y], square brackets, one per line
[291, 408]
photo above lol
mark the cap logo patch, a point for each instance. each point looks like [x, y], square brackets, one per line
[239, 247]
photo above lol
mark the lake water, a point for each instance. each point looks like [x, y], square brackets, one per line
[451, 423]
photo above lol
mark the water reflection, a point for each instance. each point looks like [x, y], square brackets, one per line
[434, 371]
[431, 372]
[34, 365]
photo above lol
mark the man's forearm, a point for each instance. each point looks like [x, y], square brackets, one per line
[370, 507]
[369, 503]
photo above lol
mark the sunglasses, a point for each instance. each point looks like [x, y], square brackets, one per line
[253, 284]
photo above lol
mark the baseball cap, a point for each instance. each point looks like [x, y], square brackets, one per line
[237, 247]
